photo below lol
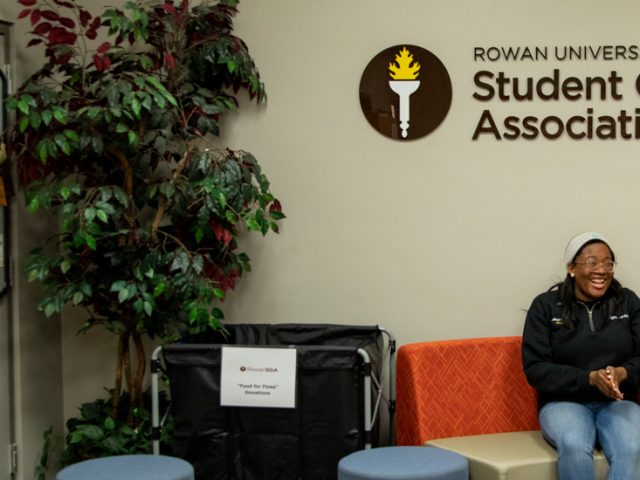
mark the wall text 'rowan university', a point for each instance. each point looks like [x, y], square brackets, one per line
[597, 101]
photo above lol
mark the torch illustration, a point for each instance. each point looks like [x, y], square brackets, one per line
[404, 73]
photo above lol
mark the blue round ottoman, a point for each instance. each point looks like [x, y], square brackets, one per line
[403, 463]
[129, 467]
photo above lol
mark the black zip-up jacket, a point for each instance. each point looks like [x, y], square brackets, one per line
[557, 361]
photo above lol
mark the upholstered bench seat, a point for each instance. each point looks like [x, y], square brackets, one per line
[129, 467]
[403, 463]
[511, 456]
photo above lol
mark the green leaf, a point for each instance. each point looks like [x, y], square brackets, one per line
[60, 114]
[121, 196]
[123, 296]
[34, 204]
[199, 234]
[90, 214]
[219, 293]
[65, 266]
[136, 107]
[137, 306]
[86, 289]
[137, 273]
[114, 446]
[193, 315]
[33, 275]
[102, 215]
[29, 99]
[42, 150]
[109, 423]
[213, 323]
[133, 137]
[77, 298]
[93, 112]
[90, 241]
[23, 106]
[197, 264]
[159, 289]
[252, 224]
[118, 285]
[167, 189]
[65, 192]
[35, 119]
[152, 191]
[23, 124]
[92, 432]
[160, 144]
[71, 135]
[12, 103]
[64, 144]
[47, 116]
[231, 216]
[156, 83]
[148, 308]
[49, 309]
[132, 290]
[180, 262]
[52, 148]
[97, 144]
[146, 62]
[159, 99]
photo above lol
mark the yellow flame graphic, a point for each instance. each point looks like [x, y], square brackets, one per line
[404, 68]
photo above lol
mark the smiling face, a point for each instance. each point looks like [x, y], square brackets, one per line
[591, 284]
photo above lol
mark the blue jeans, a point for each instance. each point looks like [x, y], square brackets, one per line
[573, 429]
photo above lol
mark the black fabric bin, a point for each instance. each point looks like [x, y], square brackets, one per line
[246, 443]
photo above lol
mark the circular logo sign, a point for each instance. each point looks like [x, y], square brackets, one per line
[405, 92]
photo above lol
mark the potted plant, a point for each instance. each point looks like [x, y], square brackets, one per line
[116, 134]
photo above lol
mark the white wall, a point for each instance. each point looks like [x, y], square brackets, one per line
[443, 236]
[436, 238]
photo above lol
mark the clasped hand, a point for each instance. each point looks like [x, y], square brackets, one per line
[608, 381]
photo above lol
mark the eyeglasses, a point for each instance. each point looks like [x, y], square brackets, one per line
[592, 265]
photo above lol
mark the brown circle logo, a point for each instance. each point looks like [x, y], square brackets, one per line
[405, 92]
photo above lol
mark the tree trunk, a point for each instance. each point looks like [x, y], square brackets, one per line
[135, 385]
[122, 366]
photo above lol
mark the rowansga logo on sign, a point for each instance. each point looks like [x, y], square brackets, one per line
[405, 92]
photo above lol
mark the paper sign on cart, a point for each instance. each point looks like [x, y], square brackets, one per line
[258, 377]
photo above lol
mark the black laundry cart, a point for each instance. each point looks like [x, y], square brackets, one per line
[338, 395]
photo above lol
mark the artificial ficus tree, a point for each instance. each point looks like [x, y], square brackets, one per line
[117, 135]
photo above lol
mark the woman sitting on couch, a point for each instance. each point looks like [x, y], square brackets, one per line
[581, 351]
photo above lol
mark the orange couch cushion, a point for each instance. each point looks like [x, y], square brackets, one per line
[462, 387]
